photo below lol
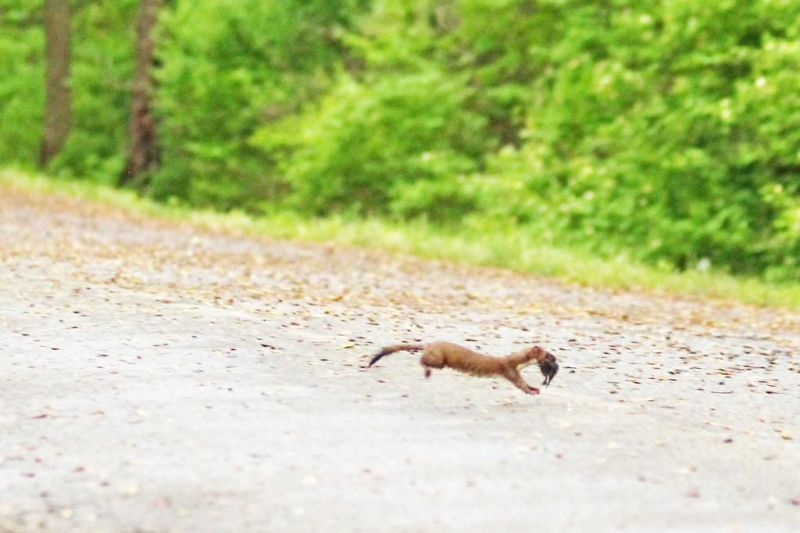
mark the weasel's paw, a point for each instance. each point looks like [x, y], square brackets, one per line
[533, 390]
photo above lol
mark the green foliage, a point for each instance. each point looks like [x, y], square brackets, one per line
[228, 67]
[398, 142]
[664, 133]
[667, 132]
[21, 94]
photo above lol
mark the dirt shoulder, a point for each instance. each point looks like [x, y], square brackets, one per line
[158, 377]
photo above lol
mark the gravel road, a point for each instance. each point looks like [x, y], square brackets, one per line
[155, 376]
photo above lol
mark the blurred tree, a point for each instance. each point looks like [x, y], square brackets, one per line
[143, 153]
[57, 109]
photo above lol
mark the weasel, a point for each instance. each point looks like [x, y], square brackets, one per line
[441, 354]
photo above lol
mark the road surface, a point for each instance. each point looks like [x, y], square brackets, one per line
[155, 376]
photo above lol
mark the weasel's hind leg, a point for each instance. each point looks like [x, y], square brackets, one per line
[429, 361]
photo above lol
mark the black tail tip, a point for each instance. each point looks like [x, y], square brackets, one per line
[375, 359]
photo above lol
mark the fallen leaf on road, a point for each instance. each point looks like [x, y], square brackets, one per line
[131, 488]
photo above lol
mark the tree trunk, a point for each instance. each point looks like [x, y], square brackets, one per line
[143, 153]
[57, 107]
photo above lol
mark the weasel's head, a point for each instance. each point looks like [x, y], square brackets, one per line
[547, 363]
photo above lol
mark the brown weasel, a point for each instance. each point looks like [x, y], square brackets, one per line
[441, 354]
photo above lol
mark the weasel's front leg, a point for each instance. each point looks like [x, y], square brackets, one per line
[515, 378]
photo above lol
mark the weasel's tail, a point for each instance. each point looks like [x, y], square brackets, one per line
[395, 348]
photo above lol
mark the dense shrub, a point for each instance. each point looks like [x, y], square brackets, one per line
[21, 94]
[671, 134]
[102, 66]
[102, 52]
[399, 142]
[228, 67]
